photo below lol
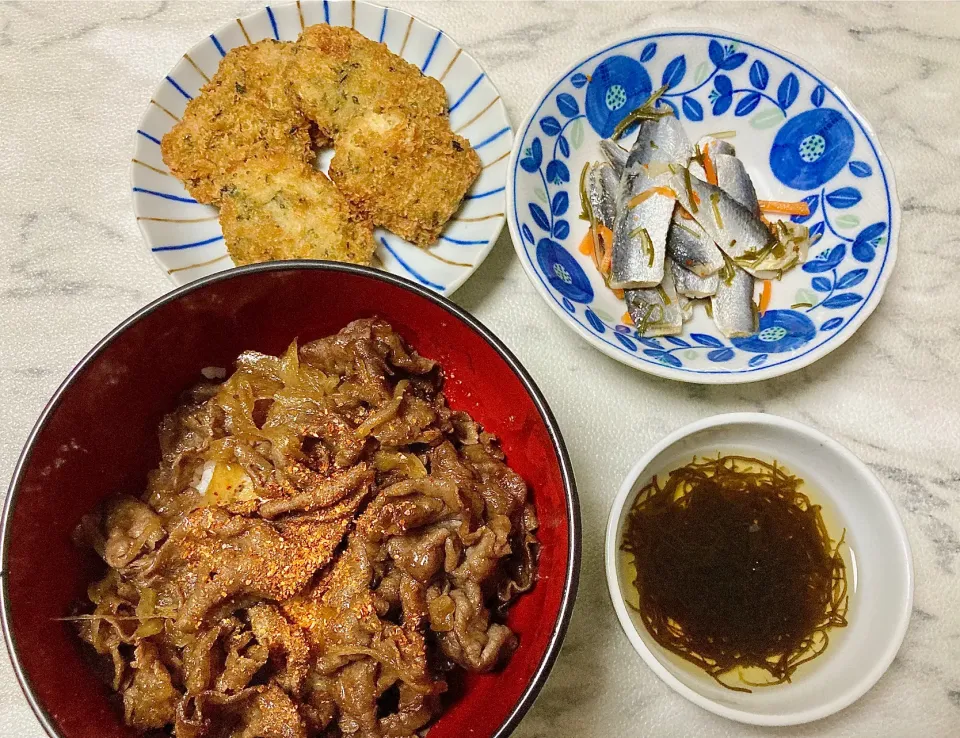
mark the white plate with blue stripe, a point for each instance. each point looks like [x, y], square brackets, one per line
[184, 235]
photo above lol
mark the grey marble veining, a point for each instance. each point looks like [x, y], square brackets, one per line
[74, 80]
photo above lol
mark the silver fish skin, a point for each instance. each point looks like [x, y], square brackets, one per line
[602, 182]
[659, 307]
[737, 231]
[733, 309]
[733, 179]
[690, 247]
[690, 285]
[792, 238]
[636, 232]
[643, 227]
[716, 146]
[615, 153]
[661, 140]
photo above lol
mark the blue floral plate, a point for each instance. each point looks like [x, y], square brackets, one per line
[799, 137]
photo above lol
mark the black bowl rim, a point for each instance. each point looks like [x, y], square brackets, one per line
[574, 536]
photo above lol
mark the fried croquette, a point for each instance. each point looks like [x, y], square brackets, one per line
[247, 110]
[276, 209]
[396, 161]
[407, 174]
[248, 142]
[341, 75]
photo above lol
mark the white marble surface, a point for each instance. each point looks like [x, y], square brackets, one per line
[74, 78]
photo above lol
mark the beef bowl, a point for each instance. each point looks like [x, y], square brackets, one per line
[97, 440]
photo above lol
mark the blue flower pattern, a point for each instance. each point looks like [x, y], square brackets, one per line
[779, 331]
[618, 85]
[810, 150]
[563, 271]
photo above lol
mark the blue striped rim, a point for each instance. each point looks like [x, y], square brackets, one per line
[466, 94]
[462, 243]
[183, 246]
[149, 137]
[492, 138]
[182, 91]
[217, 44]
[273, 23]
[410, 270]
[484, 194]
[383, 25]
[326, 12]
[433, 48]
[165, 195]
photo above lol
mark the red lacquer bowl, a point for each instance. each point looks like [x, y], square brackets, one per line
[97, 437]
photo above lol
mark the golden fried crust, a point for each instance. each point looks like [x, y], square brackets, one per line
[340, 75]
[246, 143]
[247, 110]
[275, 209]
[406, 174]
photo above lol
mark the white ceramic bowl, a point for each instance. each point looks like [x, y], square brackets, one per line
[879, 569]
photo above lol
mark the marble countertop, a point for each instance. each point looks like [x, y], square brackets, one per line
[75, 77]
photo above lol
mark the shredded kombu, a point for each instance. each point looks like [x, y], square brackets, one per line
[735, 569]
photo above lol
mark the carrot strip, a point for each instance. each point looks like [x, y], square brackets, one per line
[586, 245]
[684, 214]
[708, 167]
[607, 264]
[599, 244]
[606, 234]
[647, 194]
[785, 208]
[627, 319]
[619, 294]
[765, 296]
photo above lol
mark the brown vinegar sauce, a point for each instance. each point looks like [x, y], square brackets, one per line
[742, 574]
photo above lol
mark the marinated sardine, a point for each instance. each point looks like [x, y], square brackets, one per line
[690, 247]
[734, 228]
[790, 241]
[645, 204]
[602, 183]
[733, 309]
[733, 179]
[660, 140]
[691, 285]
[715, 146]
[687, 226]
[656, 311]
[640, 237]
[615, 153]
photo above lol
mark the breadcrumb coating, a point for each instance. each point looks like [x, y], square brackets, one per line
[278, 210]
